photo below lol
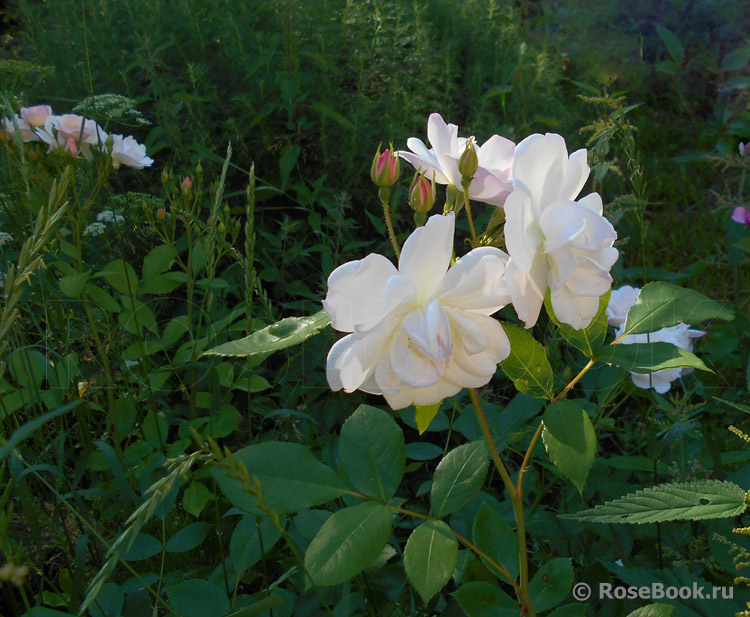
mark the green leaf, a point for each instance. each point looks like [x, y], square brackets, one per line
[198, 598]
[736, 60]
[458, 477]
[143, 547]
[570, 440]
[73, 284]
[430, 557]
[348, 542]
[423, 415]
[158, 261]
[373, 452]
[739, 406]
[680, 501]
[196, 498]
[245, 545]
[121, 276]
[496, 538]
[29, 367]
[481, 599]
[551, 583]
[527, 365]
[570, 610]
[23, 432]
[589, 339]
[674, 47]
[290, 476]
[649, 357]
[187, 538]
[102, 298]
[660, 305]
[282, 334]
[654, 610]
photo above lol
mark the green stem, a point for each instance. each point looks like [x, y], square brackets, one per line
[474, 241]
[385, 194]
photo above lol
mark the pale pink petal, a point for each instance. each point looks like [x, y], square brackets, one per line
[426, 254]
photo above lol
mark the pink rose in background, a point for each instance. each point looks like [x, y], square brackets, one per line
[127, 151]
[36, 115]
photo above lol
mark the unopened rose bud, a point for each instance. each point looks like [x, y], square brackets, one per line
[186, 186]
[385, 168]
[164, 176]
[468, 163]
[71, 146]
[744, 149]
[422, 194]
[161, 214]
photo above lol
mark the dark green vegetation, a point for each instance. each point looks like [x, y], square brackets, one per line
[109, 336]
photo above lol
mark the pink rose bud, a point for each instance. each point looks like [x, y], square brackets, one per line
[161, 214]
[164, 176]
[71, 146]
[744, 149]
[741, 215]
[422, 194]
[36, 115]
[385, 168]
[186, 185]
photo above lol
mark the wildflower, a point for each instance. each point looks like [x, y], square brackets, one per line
[127, 151]
[741, 215]
[681, 335]
[95, 229]
[421, 332]
[491, 181]
[5, 238]
[108, 216]
[554, 242]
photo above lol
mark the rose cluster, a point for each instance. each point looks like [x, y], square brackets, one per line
[73, 134]
[423, 331]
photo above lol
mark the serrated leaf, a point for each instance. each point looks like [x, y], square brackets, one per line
[649, 357]
[660, 305]
[102, 298]
[551, 583]
[570, 440]
[527, 365]
[373, 452]
[481, 599]
[430, 557]
[423, 415]
[290, 476]
[674, 47]
[349, 541]
[590, 338]
[680, 501]
[653, 610]
[458, 477]
[198, 598]
[280, 335]
[496, 538]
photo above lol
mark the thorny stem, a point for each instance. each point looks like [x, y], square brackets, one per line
[384, 196]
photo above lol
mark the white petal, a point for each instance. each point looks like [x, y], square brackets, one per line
[358, 360]
[355, 293]
[527, 289]
[443, 137]
[496, 155]
[476, 282]
[488, 188]
[523, 236]
[426, 254]
[589, 279]
[413, 369]
[619, 304]
[572, 309]
[428, 165]
[333, 362]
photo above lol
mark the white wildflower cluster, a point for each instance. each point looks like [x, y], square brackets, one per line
[107, 216]
[95, 229]
[73, 134]
[5, 238]
[104, 220]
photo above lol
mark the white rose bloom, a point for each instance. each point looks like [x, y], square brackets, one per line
[491, 182]
[421, 332]
[72, 133]
[127, 151]
[681, 335]
[554, 242]
[16, 124]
